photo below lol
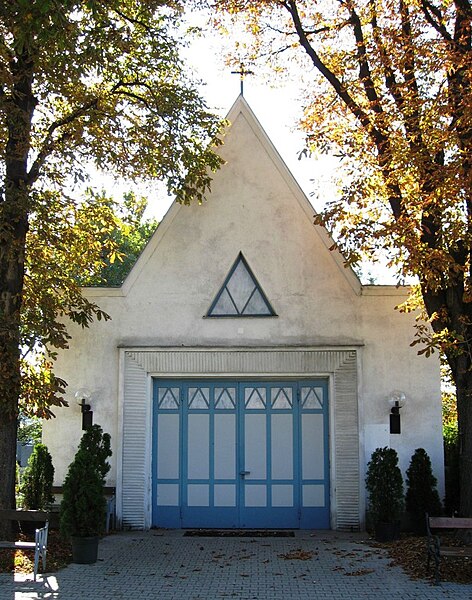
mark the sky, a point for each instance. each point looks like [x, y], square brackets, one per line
[277, 106]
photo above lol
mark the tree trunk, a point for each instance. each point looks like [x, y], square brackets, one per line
[8, 470]
[11, 288]
[14, 210]
[12, 252]
[464, 412]
[453, 312]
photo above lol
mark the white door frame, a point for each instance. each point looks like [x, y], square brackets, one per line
[139, 365]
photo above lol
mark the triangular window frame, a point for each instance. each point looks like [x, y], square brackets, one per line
[240, 307]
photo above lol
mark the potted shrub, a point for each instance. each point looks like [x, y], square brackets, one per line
[384, 484]
[421, 494]
[83, 506]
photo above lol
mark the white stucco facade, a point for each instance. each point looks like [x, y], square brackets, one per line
[327, 326]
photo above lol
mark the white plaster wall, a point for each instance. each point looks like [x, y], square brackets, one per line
[253, 208]
[390, 363]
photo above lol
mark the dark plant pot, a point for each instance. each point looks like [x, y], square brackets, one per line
[387, 532]
[84, 550]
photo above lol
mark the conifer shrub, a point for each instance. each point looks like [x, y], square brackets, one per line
[421, 495]
[384, 484]
[36, 486]
[83, 506]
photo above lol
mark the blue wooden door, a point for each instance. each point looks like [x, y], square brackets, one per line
[248, 454]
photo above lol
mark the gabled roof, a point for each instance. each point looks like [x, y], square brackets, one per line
[242, 107]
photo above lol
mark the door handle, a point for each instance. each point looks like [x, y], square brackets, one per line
[244, 473]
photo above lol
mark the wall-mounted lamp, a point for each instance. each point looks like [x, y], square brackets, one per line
[396, 400]
[83, 400]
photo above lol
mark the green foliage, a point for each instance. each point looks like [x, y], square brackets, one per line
[92, 242]
[97, 446]
[18, 495]
[72, 236]
[36, 487]
[384, 484]
[421, 494]
[451, 453]
[29, 430]
[449, 417]
[125, 242]
[83, 506]
[82, 82]
[110, 87]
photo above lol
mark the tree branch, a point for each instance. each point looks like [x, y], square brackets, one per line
[430, 11]
[411, 114]
[380, 140]
[50, 142]
[365, 75]
[134, 96]
[389, 74]
[132, 20]
[325, 71]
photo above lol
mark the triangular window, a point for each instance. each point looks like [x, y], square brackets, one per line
[241, 295]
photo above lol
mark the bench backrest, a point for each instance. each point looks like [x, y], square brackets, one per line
[41, 536]
[450, 523]
[23, 515]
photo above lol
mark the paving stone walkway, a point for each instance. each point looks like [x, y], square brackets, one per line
[166, 565]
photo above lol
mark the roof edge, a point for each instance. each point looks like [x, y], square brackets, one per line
[241, 106]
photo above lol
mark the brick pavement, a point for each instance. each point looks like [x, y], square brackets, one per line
[165, 565]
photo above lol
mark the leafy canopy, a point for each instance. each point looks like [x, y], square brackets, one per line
[386, 87]
[108, 87]
[82, 82]
[65, 243]
[125, 242]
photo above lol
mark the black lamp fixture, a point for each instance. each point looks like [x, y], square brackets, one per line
[83, 400]
[396, 400]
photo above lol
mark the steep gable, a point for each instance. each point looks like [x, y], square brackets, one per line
[252, 167]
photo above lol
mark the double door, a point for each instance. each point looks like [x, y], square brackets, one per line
[240, 454]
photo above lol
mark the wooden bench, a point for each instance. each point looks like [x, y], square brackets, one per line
[435, 550]
[40, 543]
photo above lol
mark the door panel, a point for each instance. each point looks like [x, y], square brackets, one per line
[255, 446]
[282, 451]
[225, 446]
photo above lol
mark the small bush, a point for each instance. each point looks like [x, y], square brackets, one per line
[83, 506]
[36, 487]
[384, 484]
[421, 494]
[96, 445]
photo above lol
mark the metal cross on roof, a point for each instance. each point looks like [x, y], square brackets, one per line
[242, 74]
